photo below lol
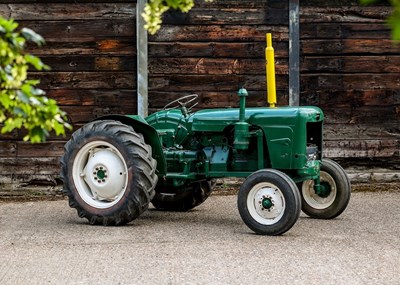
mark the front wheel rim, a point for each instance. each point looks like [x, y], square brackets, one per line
[266, 203]
[313, 199]
[100, 174]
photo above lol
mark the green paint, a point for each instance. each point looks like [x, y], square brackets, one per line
[231, 142]
[324, 190]
[267, 203]
[101, 174]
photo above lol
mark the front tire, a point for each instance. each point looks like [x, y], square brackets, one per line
[334, 198]
[108, 173]
[269, 202]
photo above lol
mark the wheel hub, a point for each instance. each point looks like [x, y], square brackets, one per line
[324, 196]
[268, 203]
[100, 174]
[324, 190]
[105, 174]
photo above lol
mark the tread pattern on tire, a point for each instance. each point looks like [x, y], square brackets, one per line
[139, 160]
[292, 200]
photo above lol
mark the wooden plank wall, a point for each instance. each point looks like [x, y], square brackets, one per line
[351, 69]
[91, 48]
[216, 49]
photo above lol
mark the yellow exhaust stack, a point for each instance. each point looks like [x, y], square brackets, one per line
[270, 71]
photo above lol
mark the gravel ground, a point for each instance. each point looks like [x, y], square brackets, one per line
[44, 242]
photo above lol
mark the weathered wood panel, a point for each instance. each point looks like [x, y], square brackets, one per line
[250, 50]
[359, 47]
[29, 165]
[205, 83]
[91, 48]
[216, 49]
[380, 64]
[117, 46]
[363, 148]
[82, 30]
[384, 131]
[90, 63]
[86, 80]
[73, 11]
[347, 14]
[350, 68]
[216, 66]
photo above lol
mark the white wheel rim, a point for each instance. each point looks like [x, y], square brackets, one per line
[100, 174]
[255, 199]
[313, 199]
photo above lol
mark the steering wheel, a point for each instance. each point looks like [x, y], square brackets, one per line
[182, 102]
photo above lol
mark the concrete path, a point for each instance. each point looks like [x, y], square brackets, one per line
[46, 243]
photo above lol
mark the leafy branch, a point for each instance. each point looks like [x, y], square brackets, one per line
[154, 10]
[22, 104]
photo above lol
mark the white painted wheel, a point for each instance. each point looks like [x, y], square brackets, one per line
[333, 196]
[100, 174]
[266, 203]
[316, 201]
[108, 172]
[269, 202]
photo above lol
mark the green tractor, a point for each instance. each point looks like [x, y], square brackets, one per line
[115, 166]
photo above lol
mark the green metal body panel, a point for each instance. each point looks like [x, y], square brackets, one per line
[231, 142]
[272, 138]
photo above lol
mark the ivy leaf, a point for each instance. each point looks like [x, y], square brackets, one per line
[23, 97]
[19, 112]
[32, 36]
[5, 100]
[35, 61]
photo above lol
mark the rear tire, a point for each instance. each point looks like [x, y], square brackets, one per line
[337, 196]
[269, 202]
[189, 199]
[108, 173]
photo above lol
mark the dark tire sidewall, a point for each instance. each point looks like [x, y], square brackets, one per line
[289, 192]
[133, 201]
[130, 177]
[343, 192]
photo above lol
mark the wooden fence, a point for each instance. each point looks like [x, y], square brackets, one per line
[349, 67]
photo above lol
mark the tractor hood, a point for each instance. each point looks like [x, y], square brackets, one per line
[216, 120]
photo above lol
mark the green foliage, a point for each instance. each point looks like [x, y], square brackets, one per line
[394, 18]
[22, 104]
[156, 8]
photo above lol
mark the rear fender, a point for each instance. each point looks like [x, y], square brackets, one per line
[150, 137]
